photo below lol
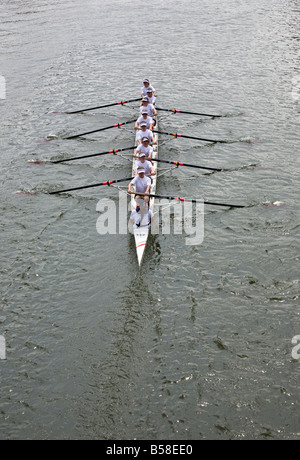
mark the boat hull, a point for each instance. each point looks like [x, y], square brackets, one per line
[141, 234]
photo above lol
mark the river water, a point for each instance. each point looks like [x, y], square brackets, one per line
[197, 344]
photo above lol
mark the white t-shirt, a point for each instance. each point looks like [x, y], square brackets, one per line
[141, 184]
[140, 134]
[136, 217]
[146, 150]
[148, 120]
[144, 90]
[150, 109]
[147, 165]
[152, 100]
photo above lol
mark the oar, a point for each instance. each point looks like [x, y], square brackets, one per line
[94, 155]
[103, 106]
[177, 163]
[117, 125]
[109, 182]
[190, 137]
[178, 198]
[190, 113]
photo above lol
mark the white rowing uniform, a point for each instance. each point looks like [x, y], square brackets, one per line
[146, 165]
[141, 134]
[152, 100]
[136, 217]
[148, 120]
[144, 90]
[141, 183]
[146, 150]
[149, 108]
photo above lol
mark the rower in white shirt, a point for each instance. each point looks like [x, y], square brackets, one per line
[144, 117]
[144, 132]
[146, 83]
[151, 97]
[141, 184]
[150, 107]
[137, 218]
[145, 148]
[147, 165]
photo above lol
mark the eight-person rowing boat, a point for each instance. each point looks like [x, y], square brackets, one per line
[144, 171]
[142, 185]
[142, 207]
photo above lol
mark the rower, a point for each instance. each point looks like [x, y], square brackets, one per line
[141, 183]
[150, 107]
[147, 165]
[146, 83]
[150, 96]
[144, 117]
[136, 218]
[144, 132]
[145, 148]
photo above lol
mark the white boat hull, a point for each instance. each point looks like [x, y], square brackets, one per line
[141, 237]
[141, 234]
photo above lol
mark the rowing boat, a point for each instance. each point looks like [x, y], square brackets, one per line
[141, 218]
[142, 232]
